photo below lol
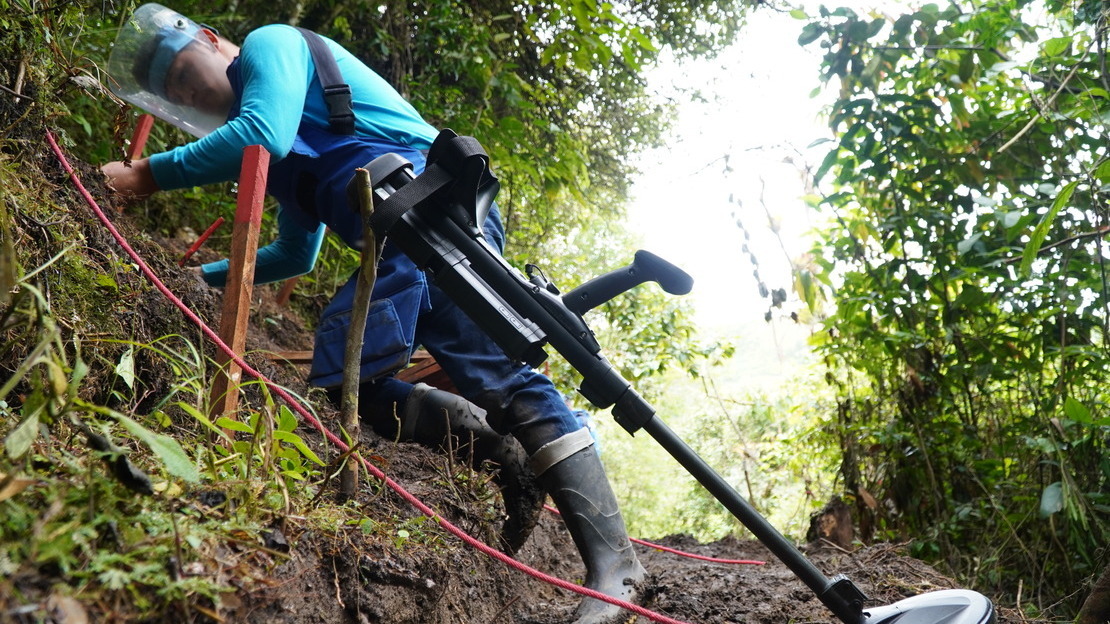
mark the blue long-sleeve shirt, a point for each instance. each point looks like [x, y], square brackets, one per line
[280, 91]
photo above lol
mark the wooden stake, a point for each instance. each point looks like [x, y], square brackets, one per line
[139, 136]
[352, 357]
[224, 399]
[286, 291]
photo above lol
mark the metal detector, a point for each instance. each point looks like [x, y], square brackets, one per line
[435, 218]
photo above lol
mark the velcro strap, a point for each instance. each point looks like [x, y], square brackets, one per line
[560, 449]
[337, 93]
[388, 212]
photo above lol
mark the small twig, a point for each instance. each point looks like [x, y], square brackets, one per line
[1047, 104]
[16, 94]
[504, 608]
[935, 47]
[1017, 604]
[830, 544]
[329, 475]
[352, 360]
[256, 546]
[20, 75]
[335, 581]
[1071, 239]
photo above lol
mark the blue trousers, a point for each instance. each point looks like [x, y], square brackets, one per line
[406, 310]
[518, 400]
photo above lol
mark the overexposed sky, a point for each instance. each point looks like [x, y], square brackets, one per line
[741, 151]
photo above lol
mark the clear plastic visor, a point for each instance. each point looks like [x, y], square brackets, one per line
[143, 54]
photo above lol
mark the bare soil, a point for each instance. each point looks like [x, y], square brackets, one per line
[367, 572]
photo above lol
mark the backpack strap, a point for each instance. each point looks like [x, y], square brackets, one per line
[337, 94]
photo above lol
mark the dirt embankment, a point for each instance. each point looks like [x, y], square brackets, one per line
[371, 571]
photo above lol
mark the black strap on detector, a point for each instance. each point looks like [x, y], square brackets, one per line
[451, 159]
[337, 94]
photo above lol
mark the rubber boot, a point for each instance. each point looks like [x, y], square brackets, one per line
[430, 414]
[586, 502]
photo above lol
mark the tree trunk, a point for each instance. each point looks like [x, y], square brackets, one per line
[1096, 609]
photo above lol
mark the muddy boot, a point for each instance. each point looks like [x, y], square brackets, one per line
[430, 414]
[582, 493]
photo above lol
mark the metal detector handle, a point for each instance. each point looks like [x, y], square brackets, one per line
[645, 267]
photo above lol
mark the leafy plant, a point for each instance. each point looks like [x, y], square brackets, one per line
[965, 256]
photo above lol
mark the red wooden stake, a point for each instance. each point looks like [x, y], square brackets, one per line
[139, 136]
[240, 279]
[286, 291]
[200, 241]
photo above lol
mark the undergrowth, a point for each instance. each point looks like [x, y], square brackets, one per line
[116, 486]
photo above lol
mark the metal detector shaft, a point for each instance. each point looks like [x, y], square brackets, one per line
[838, 593]
[437, 226]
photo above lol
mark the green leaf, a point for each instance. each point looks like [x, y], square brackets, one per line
[1102, 173]
[810, 33]
[965, 245]
[80, 370]
[177, 461]
[114, 579]
[126, 368]
[826, 164]
[234, 425]
[1052, 499]
[967, 66]
[1077, 411]
[286, 420]
[1041, 232]
[296, 441]
[201, 418]
[1057, 46]
[19, 441]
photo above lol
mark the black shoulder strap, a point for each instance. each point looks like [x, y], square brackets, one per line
[337, 94]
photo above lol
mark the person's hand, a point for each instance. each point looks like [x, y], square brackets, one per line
[133, 180]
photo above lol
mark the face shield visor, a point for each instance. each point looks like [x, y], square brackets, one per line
[140, 62]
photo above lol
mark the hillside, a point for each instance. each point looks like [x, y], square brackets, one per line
[87, 339]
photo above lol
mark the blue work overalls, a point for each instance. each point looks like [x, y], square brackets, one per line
[310, 184]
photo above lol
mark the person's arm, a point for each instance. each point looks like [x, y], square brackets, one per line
[293, 253]
[274, 66]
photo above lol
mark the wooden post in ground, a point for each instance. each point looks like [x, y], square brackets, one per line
[352, 357]
[286, 291]
[224, 400]
[139, 136]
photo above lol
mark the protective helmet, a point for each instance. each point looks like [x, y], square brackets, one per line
[145, 48]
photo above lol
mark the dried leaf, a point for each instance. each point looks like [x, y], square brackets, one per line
[12, 485]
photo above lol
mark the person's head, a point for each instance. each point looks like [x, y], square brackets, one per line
[188, 69]
[167, 64]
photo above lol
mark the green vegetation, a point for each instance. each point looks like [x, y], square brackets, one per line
[959, 290]
[966, 255]
[115, 486]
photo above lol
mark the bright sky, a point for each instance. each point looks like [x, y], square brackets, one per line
[749, 138]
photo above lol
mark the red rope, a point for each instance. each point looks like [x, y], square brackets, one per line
[300, 409]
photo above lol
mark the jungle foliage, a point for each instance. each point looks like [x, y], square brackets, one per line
[114, 482]
[554, 91]
[966, 254]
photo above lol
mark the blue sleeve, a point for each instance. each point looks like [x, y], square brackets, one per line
[279, 92]
[293, 253]
[269, 113]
